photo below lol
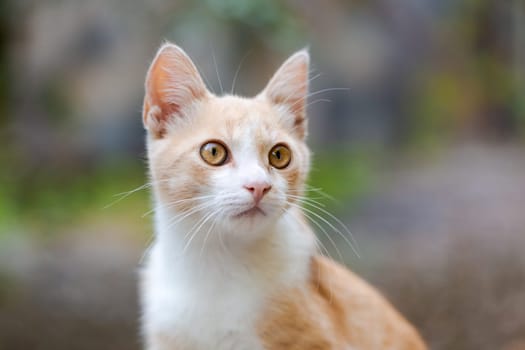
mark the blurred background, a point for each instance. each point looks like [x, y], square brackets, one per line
[422, 151]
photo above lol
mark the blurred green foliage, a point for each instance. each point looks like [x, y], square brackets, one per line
[49, 204]
[343, 175]
[472, 83]
[249, 23]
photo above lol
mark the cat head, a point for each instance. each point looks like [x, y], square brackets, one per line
[236, 163]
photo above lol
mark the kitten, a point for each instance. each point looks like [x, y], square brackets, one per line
[234, 264]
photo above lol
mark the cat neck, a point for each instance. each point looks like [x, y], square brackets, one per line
[280, 252]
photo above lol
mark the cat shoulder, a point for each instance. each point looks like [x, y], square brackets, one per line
[336, 310]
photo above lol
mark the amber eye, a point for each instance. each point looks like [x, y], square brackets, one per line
[214, 153]
[280, 156]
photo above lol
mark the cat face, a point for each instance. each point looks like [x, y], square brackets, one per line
[226, 162]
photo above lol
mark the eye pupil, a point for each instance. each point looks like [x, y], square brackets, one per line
[280, 156]
[214, 153]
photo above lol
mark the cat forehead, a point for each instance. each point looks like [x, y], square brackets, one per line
[239, 109]
[240, 117]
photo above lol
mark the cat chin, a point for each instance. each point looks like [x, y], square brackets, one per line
[253, 217]
[251, 221]
[251, 213]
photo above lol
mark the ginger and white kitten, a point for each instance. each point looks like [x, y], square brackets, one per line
[234, 264]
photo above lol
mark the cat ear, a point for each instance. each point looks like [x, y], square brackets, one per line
[288, 90]
[173, 85]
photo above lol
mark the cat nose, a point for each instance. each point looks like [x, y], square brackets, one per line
[258, 190]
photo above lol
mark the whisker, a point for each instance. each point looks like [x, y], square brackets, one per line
[196, 231]
[319, 243]
[285, 101]
[322, 91]
[209, 230]
[237, 72]
[217, 71]
[316, 190]
[329, 224]
[224, 247]
[178, 218]
[336, 230]
[126, 194]
[316, 101]
[309, 199]
[308, 216]
[149, 245]
[172, 204]
[314, 93]
[313, 77]
[206, 80]
[192, 229]
[327, 235]
[321, 192]
[352, 244]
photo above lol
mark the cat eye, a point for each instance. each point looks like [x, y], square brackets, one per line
[280, 156]
[214, 153]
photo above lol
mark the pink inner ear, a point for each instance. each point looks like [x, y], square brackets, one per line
[289, 88]
[172, 83]
[159, 80]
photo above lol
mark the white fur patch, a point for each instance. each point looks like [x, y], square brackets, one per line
[212, 301]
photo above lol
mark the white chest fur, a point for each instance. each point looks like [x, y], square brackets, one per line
[211, 298]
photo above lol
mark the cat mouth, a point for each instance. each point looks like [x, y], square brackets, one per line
[250, 213]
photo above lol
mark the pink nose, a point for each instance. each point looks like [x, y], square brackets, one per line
[258, 190]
